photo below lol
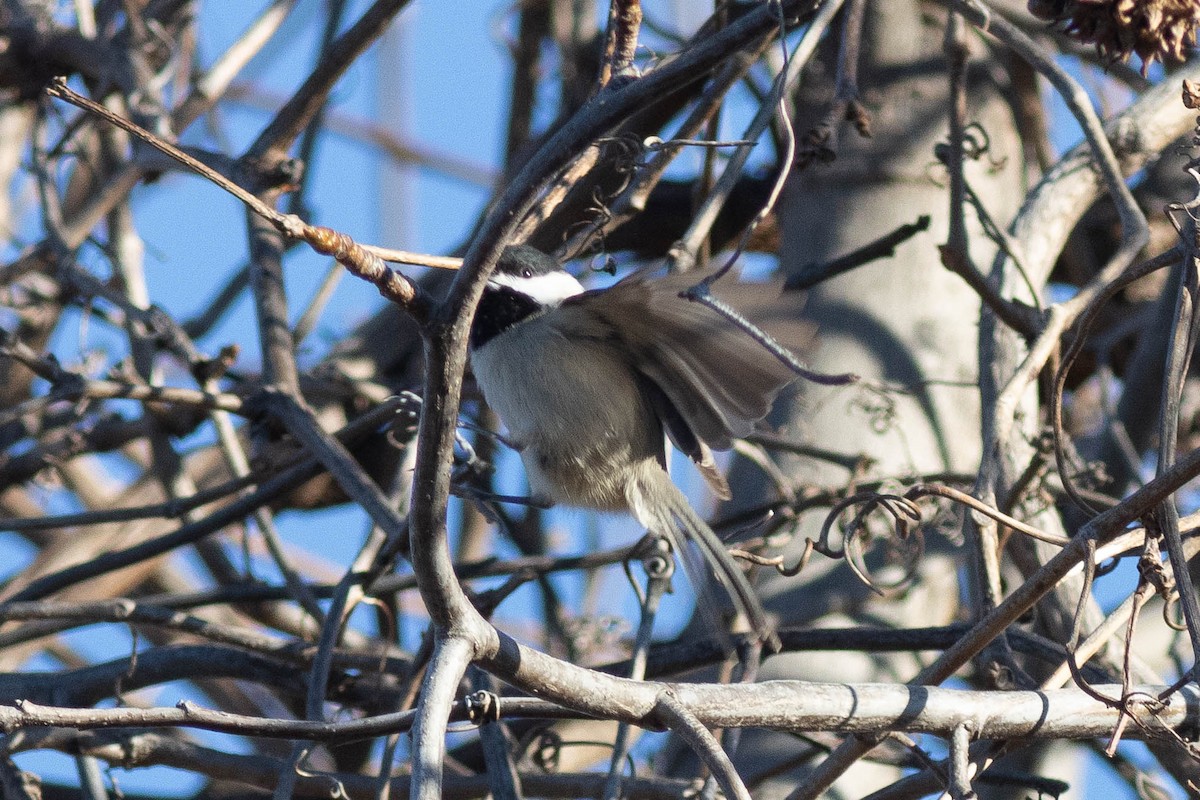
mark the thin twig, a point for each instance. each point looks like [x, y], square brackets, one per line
[1181, 346]
[885, 246]
[362, 262]
[1099, 530]
[680, 719]
[620, 46]
[659, 566]
[175, 507]
[268, 489]
[1088, 316]
[820, 143]
[310, 98]
[956, 254]
[633, 198]
[504, 779]
[683, 253]
[67, 385]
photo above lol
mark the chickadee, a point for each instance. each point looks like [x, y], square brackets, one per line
[587, 382]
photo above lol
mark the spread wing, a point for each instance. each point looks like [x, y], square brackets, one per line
[684, 439]
[716, 379]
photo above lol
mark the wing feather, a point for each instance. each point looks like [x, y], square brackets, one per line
[716, 376]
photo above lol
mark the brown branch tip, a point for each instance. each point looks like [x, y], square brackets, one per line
[361, 261]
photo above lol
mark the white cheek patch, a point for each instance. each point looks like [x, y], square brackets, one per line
[548, 289]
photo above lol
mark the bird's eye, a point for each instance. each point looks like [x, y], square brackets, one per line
[527, 273]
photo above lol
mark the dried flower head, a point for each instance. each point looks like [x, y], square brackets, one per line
[1154, 29]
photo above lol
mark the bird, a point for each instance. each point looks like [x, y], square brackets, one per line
[590, 385]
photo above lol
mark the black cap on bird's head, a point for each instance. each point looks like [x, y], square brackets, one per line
[530, 272]
[522, 260]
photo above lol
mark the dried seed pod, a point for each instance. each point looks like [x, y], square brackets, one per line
[1154, 29]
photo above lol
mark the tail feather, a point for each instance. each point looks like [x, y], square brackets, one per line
[662, 507]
